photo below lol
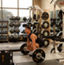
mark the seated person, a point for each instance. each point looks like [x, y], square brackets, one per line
[31, 39]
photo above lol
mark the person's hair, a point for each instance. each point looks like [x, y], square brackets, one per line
[28, 27]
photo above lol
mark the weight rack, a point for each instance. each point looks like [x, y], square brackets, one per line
[3, 31]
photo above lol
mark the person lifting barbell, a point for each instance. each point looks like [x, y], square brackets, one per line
[31, 39]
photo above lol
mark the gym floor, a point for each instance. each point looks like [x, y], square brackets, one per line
[20, 59]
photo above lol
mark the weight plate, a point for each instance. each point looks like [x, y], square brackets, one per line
[36, 17]
[45, 16]
[23, 49]
[45, 25]
[46, 42]
[38, 56]
[45, 33]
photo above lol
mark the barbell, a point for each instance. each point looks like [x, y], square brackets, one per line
[38, 55]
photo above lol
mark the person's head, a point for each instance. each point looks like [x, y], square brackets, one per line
[27, 30]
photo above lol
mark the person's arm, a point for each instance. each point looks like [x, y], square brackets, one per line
[33, 38]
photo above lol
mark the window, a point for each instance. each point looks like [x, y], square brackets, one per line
[11, 12]
[25, 3]
[10, 6]
[24, 13]
[10, 3]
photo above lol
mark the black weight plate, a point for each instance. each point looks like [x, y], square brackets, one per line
[46, 42]
[22, 49]
[45, 24]
[45, 33]
[36, 17]
[34, 56]
[45, 16]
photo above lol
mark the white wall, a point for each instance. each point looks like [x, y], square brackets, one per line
[46, 5]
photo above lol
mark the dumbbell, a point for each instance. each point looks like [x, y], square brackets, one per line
[38, 55]
[17, 30]
[12, 30]
[11, 24]
[12, 18]
[24, 19]
[17, 24]
[15, 36]
[17, 18]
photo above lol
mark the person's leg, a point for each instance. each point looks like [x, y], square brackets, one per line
[37, 45]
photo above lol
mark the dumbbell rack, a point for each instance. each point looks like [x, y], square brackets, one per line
[3, 31]
[15, 26]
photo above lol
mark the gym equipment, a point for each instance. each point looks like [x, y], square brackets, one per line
[59, 48]
[11, 24]
[58, 23]
[38, 56]
[45, 16]
[36, 17]
[46, 42]
[12, 30]
[45, 24]
[17, 18]
[52, 50]
[6, 58]
[15, 36]
[17, 23]
[12, 18]
[45, 33]
[23, 49]
[30, 24]
[17, 30]
[29, 19]
[24, 25]
[60, 14]
[24, 19]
